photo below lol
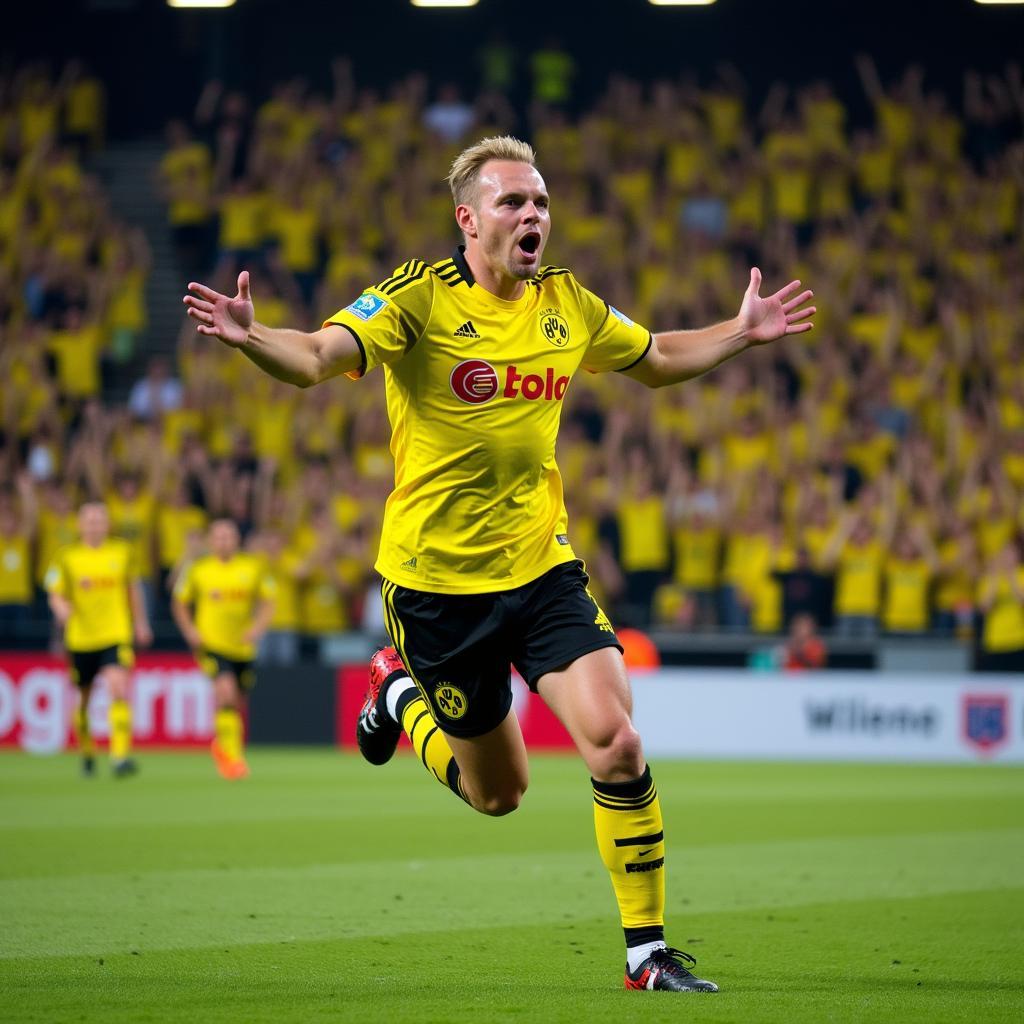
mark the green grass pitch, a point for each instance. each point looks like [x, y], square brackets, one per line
[325, 890]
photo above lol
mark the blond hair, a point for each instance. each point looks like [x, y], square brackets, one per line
[466, 167]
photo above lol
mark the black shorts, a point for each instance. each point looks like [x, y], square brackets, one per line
[87, 665]
[214, 664]
[458, 647]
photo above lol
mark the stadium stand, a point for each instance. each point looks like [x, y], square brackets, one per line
[869, 475]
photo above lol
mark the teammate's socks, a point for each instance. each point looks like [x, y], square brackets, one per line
[86, 747]
[120, 717]
[631, 839]
[426, 738]
[227, 727]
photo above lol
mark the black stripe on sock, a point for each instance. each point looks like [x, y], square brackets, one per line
[418, 719]
[641, 936]
[454, 779]
[404, 700]
[650, 840]
[625, 790]
[423, 749]
[629, 807]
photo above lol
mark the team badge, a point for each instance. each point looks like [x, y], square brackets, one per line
[985, 720]
[474, 381]
[622, 316]
[366, 306]
[554, 328]
[450, 700]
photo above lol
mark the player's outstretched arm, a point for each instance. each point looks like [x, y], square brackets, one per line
[296, 357]
[679, 355]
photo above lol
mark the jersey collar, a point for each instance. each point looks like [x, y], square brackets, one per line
[459, 258]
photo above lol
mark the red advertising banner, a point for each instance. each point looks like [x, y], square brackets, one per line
[172, 703]
[541, 729]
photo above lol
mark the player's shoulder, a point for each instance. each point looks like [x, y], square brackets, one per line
[411, 276]
[552, 274]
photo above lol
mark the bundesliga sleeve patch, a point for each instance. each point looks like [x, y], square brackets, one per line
[367, 306]
[622, 316]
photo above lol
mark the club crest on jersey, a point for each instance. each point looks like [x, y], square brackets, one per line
[622, 316]
[450, 700]
[366, 306]
[554, 327]
[474, 381]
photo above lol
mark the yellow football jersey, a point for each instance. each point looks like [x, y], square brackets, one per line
[95, 580]
[225, 595]
[474, 388]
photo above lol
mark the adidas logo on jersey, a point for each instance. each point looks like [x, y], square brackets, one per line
[467, 330]
[409, 564]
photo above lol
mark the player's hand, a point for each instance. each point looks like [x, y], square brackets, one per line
[218, 315]
[143, 634]
[775, 316]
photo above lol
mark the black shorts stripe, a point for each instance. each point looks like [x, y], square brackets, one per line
[397, 633]
[650, 840]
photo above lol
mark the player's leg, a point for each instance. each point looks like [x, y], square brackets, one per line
[592, 698]
[83, 734]
[116, 674]
[488, 771]
[228, 746]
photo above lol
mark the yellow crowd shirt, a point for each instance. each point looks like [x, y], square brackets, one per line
[15, 570]
[859, 579]
[1004, 621]
[906, 607]
[225, 595]
[96, 581]
[474, 387]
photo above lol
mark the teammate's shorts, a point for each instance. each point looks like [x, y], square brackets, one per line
[87, 665]
[458, 647]
[214, 664]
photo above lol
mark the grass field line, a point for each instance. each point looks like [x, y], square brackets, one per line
[95, 913]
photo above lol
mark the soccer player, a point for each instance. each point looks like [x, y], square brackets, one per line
[478, 352]
[96, 597]
[233, 599]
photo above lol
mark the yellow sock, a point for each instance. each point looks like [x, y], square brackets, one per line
[631, 839]
[120, 729]
[86, 747]
[228, 728]
[429, 743]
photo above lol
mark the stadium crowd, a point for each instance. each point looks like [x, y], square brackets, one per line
[869, 475]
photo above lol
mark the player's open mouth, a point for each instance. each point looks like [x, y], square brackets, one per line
[529, 244]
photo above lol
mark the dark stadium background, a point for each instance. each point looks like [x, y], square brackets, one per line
[154, 59]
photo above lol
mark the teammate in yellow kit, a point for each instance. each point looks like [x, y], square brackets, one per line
[232, 598]
[478, 352]
[96, 598]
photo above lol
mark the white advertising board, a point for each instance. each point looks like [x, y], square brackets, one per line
[830, 716]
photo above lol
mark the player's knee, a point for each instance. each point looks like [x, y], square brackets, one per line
[500, 803]
[619, 754]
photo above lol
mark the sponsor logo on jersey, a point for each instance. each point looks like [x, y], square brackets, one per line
[554, 327]
[410, 564]
[622, 316]
[467, 330]
[450, 700]
[474, 381]
[366, 306]
[532, 386]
